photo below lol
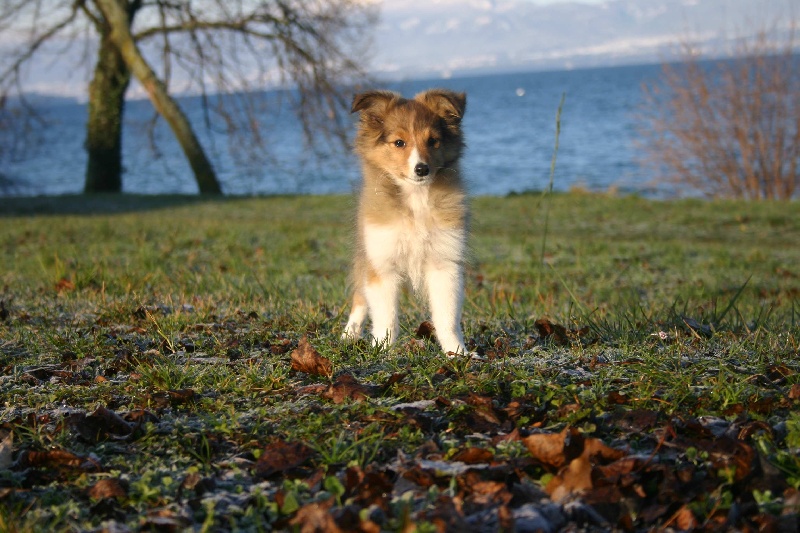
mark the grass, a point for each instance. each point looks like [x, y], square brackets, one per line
[680, 319]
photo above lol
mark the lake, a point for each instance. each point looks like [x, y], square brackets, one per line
[510, 128]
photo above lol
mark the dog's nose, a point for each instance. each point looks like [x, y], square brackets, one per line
[421, 170]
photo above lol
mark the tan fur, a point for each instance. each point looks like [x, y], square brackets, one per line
[390, 198]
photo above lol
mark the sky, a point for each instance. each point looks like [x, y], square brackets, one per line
[491, 36]
[542, 2]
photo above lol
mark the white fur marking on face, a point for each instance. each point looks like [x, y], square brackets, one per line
[413, 159]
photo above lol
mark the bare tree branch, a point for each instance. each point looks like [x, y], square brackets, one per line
[729, 127]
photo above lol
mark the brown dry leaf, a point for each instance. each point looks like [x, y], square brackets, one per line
[306, 359]
[726, 452]
[577, 477]
[555, 449]
[163, 520]
[394, 378]
[371, 487]
[618, 469]
[316, 388]
[100, 425]
[446, 515]
[574, 455]
[56, 459]
[315, 518]
[6, 448]
[426, 330]
[596, 451]
[473, 456]
[181, 395]
[617, 398]
[112, 421]
[508, 437]
[794, 392]
[346, 386]
[107, 488]
[684, 519]
[418, 476]
[280, 456]
[638, 420]
[140, 416]
[64, 285]
[552, 331]
[483, 418]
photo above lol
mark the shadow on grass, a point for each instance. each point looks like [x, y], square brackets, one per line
[99, 204]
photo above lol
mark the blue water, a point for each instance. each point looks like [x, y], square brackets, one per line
[510, 142]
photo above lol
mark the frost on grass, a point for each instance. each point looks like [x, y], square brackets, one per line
[257, 426]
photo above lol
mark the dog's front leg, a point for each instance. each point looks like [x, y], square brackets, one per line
[382, 293]
[445, 284]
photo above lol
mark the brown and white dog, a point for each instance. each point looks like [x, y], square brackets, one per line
[412, 212]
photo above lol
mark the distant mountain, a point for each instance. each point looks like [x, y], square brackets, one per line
[420, 38]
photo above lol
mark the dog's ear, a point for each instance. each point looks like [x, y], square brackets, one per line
[373, 104]
[449, 105]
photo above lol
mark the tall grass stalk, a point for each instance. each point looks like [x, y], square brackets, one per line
[549, 189]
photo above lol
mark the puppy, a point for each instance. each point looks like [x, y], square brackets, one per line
[412, 213]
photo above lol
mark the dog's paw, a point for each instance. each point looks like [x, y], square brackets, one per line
[348, 335]
[473, 356]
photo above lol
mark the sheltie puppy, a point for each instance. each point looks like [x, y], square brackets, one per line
[412, 212]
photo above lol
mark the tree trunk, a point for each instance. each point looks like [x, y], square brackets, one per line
[104, 128]
[165, 105]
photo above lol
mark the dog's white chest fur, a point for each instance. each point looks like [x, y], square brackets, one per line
[414, 241]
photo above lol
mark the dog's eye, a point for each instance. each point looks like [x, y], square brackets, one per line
[433, 142]
[400, 143]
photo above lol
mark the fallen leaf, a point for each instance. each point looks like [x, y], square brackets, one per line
[426, 330]
[617, 398]
[696, 328]
[794, 392]
[140, 416]
[577, 477]
[56, 459]
[315, 518]
[164, 399]
[394, 378]
[316, 388]
[6, 447]
[369, 487]
[181, 395]
[597, 451]
[100, 425]
[280, 346]
[195, 482]
[573, 455]
[64, 285]
[638, 420]
[473, 456]
[280, 456]
[163, 520]
[107, 488]
[306, 359]
[446, 515]
[555, 449]
[347, 387]
[551, 331]
[684, 519]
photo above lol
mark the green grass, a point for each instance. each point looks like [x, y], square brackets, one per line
[679, 310]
